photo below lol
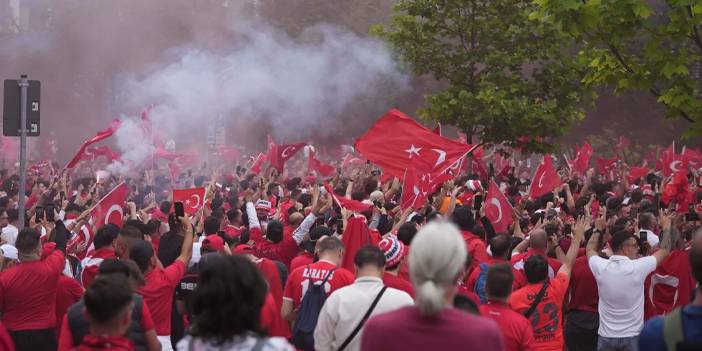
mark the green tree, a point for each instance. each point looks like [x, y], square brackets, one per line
[652, 46]
[503, 75]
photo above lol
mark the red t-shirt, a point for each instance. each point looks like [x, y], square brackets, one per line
[283, 251]
[299, 280]
[103, 343]
[473, 278]
[92, 262]
[406, 329]
[65, 339]
[518, 265]
[583, 287]
[232, 231]
[302, 260]
[68, 292]
[476, 248]
[270, 271]
[28, 293]
[271, 321]
[395, 282]
[516, 330]
[546, 320]
[158, 294]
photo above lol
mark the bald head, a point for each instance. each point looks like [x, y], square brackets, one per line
[538, 239]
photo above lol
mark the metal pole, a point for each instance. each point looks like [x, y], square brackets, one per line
[23, 83]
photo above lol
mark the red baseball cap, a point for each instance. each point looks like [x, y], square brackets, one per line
[213, 242]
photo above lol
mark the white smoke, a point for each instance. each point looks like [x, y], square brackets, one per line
[301, 87]
[135, 146]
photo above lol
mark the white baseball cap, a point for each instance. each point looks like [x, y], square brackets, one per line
[9, 251]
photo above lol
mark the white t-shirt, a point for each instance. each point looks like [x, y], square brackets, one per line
[9, 234]
[620, 283]
[651, 237]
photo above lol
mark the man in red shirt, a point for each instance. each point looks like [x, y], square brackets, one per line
[108, 307]
[307, 256]
[583, 319]
[394, 251]
[269, 270]
[28, 291]
[499, 247]
[105, 240]
[516, 329]
[545, 313]
[160, 282]
[463, 218]
[233, 225]
[537, 242]
[331, 253]
[68, 292]
[275, 245]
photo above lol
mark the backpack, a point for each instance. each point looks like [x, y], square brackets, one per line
[480, 283]
[307, 315]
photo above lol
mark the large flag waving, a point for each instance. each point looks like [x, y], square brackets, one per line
[396, 141]
[497, 209]
[545, 179]
[582, 159]
[314, 164]
[110, 208]
[100, 136]
[349, 204]
[192, 199]
[278, 155]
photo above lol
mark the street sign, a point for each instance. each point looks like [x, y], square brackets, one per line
[11, 108]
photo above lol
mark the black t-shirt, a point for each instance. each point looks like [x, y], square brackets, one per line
[185, 288]
[169, 247]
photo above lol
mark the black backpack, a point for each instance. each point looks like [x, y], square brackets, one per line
[307, 315]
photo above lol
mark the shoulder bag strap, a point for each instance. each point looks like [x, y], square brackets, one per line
[363, 320]
[537, 300]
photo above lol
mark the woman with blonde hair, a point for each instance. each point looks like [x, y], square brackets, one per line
[436, 263]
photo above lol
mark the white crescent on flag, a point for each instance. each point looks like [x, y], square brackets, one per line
[286, 151]
[675, 165]
[197, 204]
[442, 157]
[496, 203]
[541, 180]
[114, 208]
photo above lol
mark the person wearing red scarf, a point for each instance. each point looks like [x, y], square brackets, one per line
[108, 308]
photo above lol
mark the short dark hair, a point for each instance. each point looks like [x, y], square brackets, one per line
[619, 238]
[141, 253]
[233, 214]
[131, 232]
[106, 297]
[406, 232]
[500, 244]
[463, 218]
[646, 220]
[27, 240]
[165, 207]
[12, 214]
[331, 243]
[369, 255]
[113, 266]
[136, 224]
[105, 235]
[465, 304]
[499, 281]
[228, 298]
[274, 231]
[211, 225]
[536, 269]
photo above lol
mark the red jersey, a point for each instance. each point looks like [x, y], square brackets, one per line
[517, 333]
[302, 260]
[392, 281]
[476, 248]
[158, 293]
[546, 319]
[518, 264]
[275, 285]
[91, 263]
[103, 343]
[65, 337]
[232, 231]
[28, 293]
[68, 292]
[283, 251]
[583, 287]
[299, 280]
[475, 274]
[271, 321]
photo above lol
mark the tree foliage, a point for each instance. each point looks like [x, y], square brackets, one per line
[652, 46]
[505, 76]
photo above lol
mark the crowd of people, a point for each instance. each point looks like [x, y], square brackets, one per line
[294, 260]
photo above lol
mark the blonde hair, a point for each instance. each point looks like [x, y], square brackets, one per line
[437, 257]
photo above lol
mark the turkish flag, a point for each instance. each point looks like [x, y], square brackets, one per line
[279, 154]
[582, 159]
[605, 165]
[417, 186]
[105, 151]
[396, 140]
[100, 136]
[351, 205]
[670, 162]
[678, 190]
[192, 199]
[545, 179]
[636, 173]
[258, 163]
[497, 209]
[693, 157]
[669, 286]
[179, 161]
[479, 168]
[313, 164]
[110, 208]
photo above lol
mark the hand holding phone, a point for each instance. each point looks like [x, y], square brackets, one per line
[178, 209]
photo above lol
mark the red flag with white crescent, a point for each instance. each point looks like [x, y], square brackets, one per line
[110, 208]
[314, 164]
[100, 136]
[349, 204]
[258, 163]
[545, 179]
[497, 209]
[192, 199]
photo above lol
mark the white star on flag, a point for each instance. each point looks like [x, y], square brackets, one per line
[413, 150]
